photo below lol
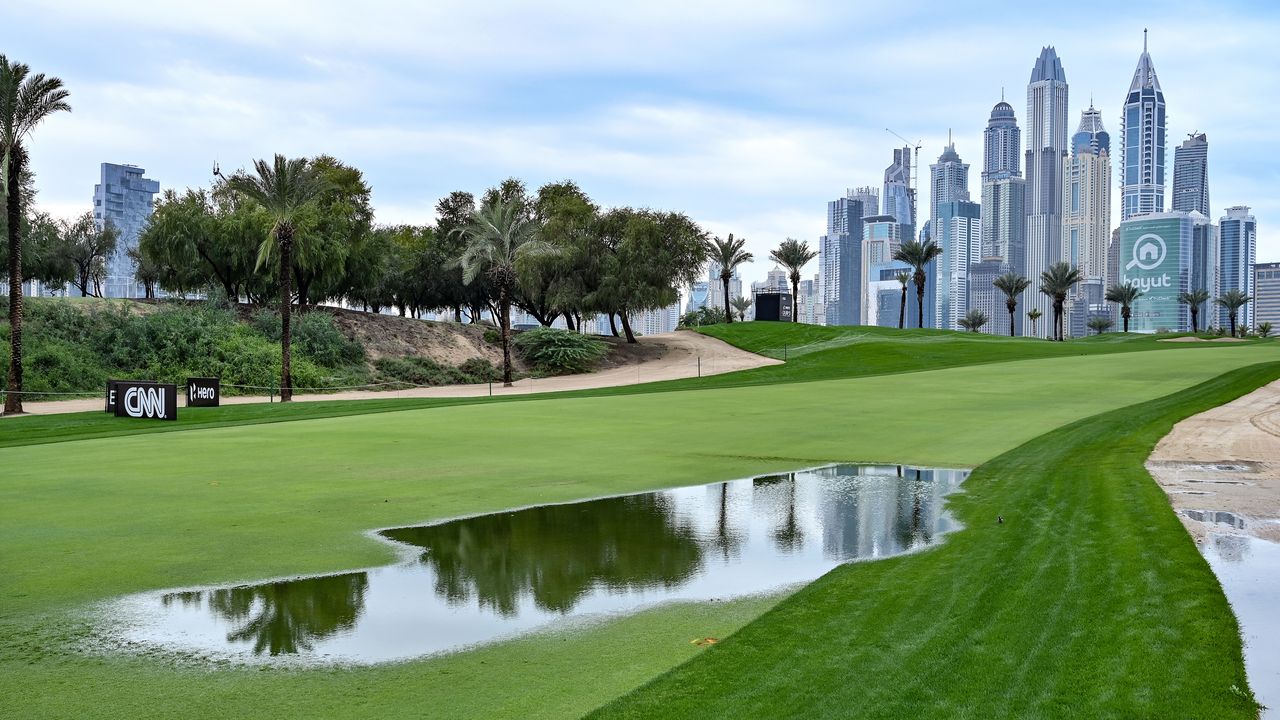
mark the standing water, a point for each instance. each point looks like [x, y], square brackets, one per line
[478, 579]
[1249, 570]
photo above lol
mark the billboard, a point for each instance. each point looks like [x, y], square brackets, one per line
[203, 392]
[112, 394]
[155, 401]
[1155, 257]
[773, 306]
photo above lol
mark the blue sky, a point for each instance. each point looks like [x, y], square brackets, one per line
[747, 116]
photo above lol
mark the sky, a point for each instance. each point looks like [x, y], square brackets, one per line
[747, 116]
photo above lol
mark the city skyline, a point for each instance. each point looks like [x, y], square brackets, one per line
[751, 151]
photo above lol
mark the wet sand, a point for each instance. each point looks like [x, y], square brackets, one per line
[683, 355]
[1221, 470]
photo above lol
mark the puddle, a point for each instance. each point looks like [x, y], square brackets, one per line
[1190, 492]
[475, 580]
[1219, 482]
[1249, 570]
[1220, 517]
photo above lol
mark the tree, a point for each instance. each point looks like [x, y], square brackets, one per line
[87, 247]
[1056, 282]
[332, 228]
[1264, 329]
[973, 320]
[1012, 284]
[728, 254]
[25, 101]
[1100, 323]
[1232, 301]
[1033, 315]
[793, 255]
[742, 305]
[1194, 300]
[550, 284]
[499, 235]
[1125, 296]
[904, 278]
[918, 255]
[284, 189]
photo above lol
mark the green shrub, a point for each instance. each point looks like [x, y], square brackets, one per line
[418, 371]
[560, 351]
[702, 316]
[492, 337]
[316, 336]
[479, 370]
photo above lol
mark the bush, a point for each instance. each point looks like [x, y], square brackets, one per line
[480, 370]
[418, 371]
[315, 336]
[560, 351]
[702, 316]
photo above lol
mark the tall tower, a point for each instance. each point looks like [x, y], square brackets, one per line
[948, 180]
[840, 261]
[1191, 175]
[1238, 251]
[1086, 199]
[1046, 152]
[1004, 192]
[899, 200]
[1142, 142]
[956, 226]
[123, 199]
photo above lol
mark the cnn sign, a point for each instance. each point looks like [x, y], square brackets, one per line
[152, 401]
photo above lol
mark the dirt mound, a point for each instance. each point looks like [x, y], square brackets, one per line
[394, 336]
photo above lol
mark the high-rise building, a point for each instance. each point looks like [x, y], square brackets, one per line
[840, 262]
[1238, 250]
[123, 198]
[1142, 142]
[1266, 294]
[1004, 203]
[948, 181]
[715, 286]
[984, 296]
[1164, 254]
[1046, 143]
[1191, 175]
[1002, 144]
[1086, 200]
[868, 196]
[884, 293]
[958, 230]
[899, 199]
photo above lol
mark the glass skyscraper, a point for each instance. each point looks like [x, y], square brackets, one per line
[1238, 249]
[1191, 175]
[1004, 210]
[1046, 142]
[899, 201]
[1086, 200]
[955, 224]
[1142, 142]
[123, 198]
[840, 262]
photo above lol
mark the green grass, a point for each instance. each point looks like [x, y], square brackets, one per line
[91, 519]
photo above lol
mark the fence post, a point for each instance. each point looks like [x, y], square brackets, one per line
[699, 366]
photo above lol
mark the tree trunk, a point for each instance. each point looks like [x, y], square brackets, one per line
[613, 325]
[13, 209]
[1194, 310]
[728, 314]
[626, 326]
[285, 238]
[902, 309]
[1057, 320]
[1233, 323]
[1124, 315]
[795, 291]
[504, 317]
[920, 300]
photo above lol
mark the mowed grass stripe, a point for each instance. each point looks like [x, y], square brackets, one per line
[1090, 601]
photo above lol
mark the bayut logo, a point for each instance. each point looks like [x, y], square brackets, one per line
[1148, 252]
[145, 402]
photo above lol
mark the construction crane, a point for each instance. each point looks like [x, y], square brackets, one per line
[915, 173]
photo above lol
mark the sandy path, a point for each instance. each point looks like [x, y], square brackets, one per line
[683, 355]
[1226, 460]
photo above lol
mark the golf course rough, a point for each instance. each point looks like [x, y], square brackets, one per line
[1090, 602]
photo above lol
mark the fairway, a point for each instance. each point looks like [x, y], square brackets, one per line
[251, 502]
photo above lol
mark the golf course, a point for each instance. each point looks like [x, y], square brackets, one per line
[1072, 590]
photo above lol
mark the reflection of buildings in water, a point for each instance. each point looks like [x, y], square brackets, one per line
[1232, 548]
[873, 511]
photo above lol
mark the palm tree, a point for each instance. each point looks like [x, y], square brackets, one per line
[1100, 323]
[741, 304]
[1193, 300]
[1264, 329]
[1125, 296]
[283, 188]
[918, 255]
[1233, 300]
[973, 320]
[1056, 282]
[1033, 315]
[499, 236]
[25, 100]
[793, 255]
[728, 254]
[1011, 284]
[904, 278]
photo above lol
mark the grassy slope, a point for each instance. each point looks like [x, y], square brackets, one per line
[290, 497]
[1090, 601]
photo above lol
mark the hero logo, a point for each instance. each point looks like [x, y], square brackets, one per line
[144, 402]
[1148, 253]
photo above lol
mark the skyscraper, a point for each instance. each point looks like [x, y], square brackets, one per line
[1142, 142]
[955, 224]
[123, 198]
[869, 197]
[1086, 201]
[1046, 150]
[899, 200]
[1191, 175]
[1238, 249]
[1266, 291]
[1004, 208]
[840, 262]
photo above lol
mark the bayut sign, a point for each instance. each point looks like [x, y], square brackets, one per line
[154, 401]
[203, 392]
[1152, 253]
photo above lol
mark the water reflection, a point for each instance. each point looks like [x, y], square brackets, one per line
[1249, 570]
[477, 579]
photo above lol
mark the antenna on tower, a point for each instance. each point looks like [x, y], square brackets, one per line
[1144, 39]
[915, 171]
